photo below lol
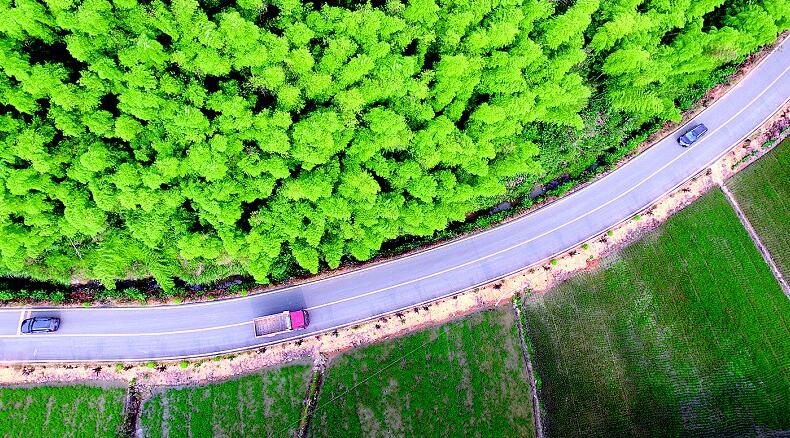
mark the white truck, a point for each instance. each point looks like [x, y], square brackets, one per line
[282, 322]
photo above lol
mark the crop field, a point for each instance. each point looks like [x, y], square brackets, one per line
[62, 411]
[265, 404]
[465, 378]
[685, 333]
[763, 192]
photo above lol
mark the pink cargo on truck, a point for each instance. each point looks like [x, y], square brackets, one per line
[298, 319]
[282, 322]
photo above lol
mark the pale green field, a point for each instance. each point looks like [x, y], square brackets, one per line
[763, 193]
[465, 378]
[61, 411]
[685, 333]
[265, 404]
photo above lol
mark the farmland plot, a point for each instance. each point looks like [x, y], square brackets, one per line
[265, 404]
[685, 333]
[61, 411]
[465, 378]
[763, 192]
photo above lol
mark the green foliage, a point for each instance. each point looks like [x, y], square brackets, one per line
[465, 378]
[180, 139]
[264, 404]
[652, 58]
[65, 411]
[39, 295]
[684, 334]
[9, 292]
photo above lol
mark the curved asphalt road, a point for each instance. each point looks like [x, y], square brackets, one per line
[170, 332]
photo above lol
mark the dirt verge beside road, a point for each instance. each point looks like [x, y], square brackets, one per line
[585, 256]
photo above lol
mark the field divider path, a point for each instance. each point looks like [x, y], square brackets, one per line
[311, 398]
[756, 239]
[131, 411]
[521, 323]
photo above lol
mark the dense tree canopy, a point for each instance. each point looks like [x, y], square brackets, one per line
[187, 139]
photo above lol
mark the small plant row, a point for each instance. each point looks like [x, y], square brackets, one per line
[57, 294]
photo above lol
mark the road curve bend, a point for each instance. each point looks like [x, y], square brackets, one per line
[201, 329]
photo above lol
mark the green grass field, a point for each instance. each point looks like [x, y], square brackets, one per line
[465, 378]
[763, 192]
[685, 333]
[265, 404]
[61, 411]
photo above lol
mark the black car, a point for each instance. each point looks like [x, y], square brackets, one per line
[692, 135]
[40, 325]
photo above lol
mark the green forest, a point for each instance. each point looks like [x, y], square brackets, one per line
[198, 139]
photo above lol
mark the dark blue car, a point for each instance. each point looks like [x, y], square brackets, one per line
[692, 135]
[40, 325]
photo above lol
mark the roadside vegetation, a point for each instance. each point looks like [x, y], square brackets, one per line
[61, 411]
[685, 333]
[465, 378]
[198, 140]
[265, 404]
[763, 193]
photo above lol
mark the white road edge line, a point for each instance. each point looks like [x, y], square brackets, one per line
[249, 347]
[105, 335]
[778, 48]
[291, 338]
[576, 219]
[326, 330]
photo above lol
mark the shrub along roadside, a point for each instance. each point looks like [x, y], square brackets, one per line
[16, 291]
